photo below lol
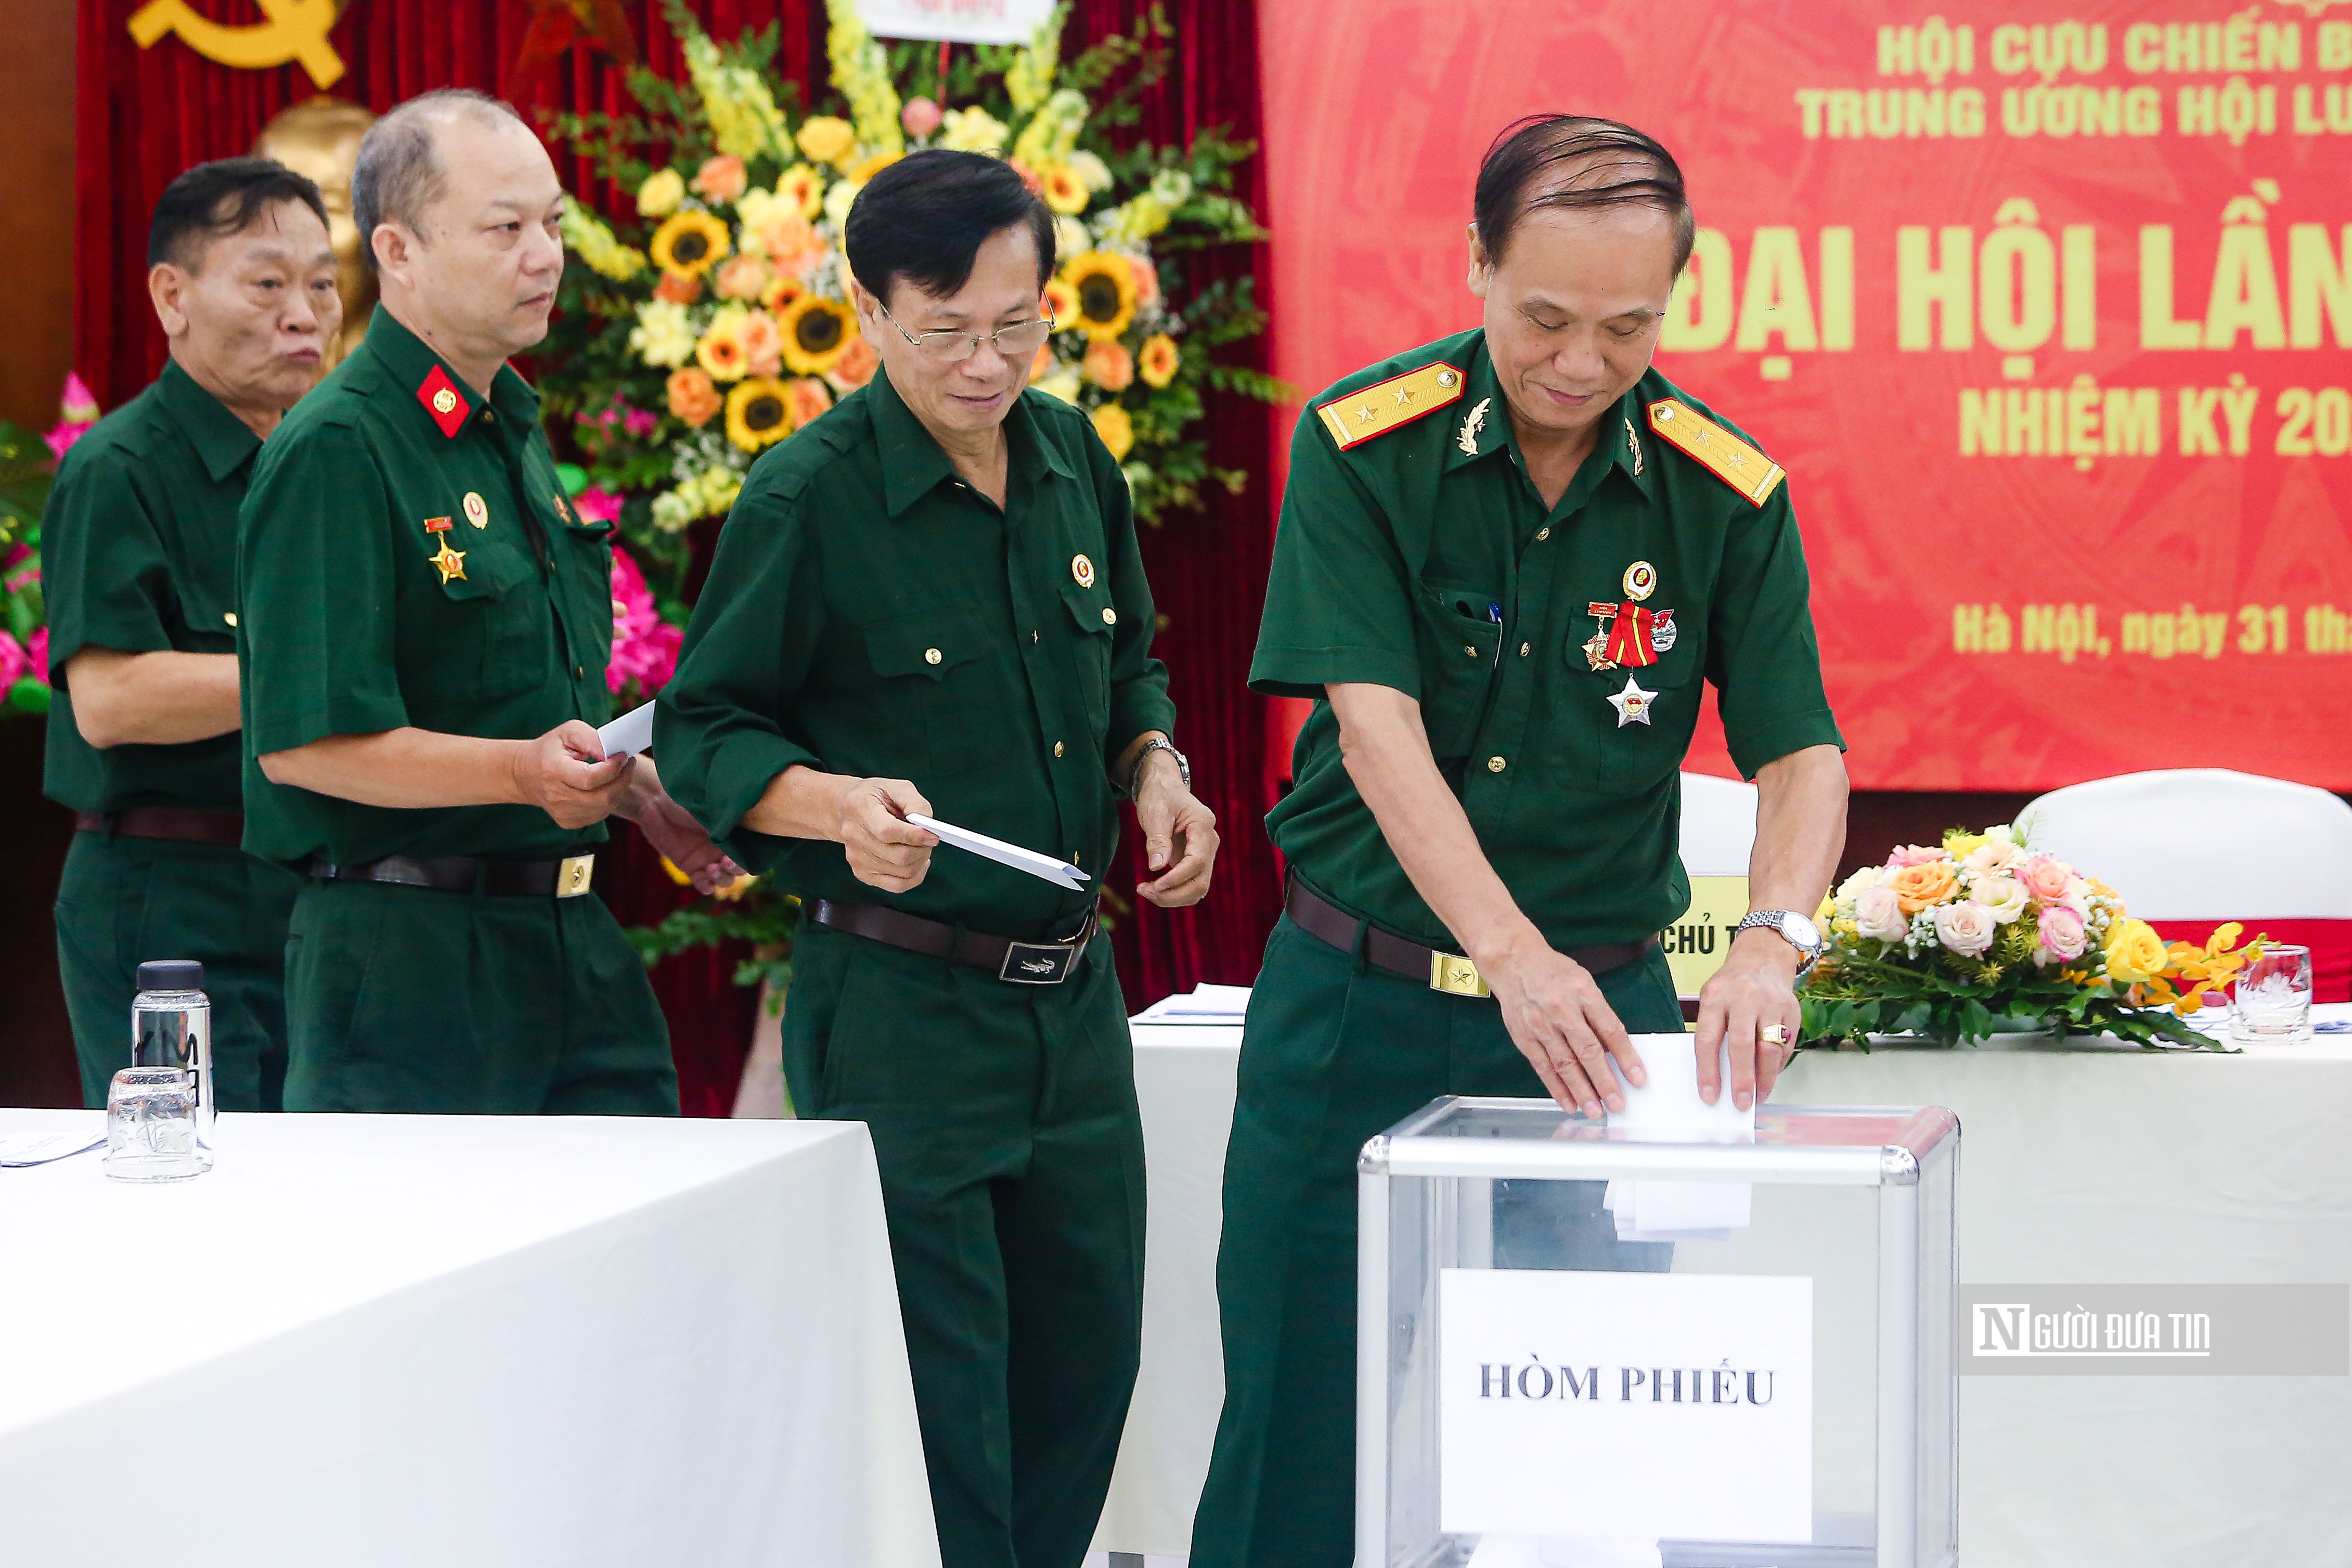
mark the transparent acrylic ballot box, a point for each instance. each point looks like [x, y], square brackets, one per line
[1581, 1346]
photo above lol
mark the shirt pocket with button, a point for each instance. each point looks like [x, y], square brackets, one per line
[1091, 612]
[590, 548]
[1633, 758]
[945, 687]
[503, 627]
[1469, 640]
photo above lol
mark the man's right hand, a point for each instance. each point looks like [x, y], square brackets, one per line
[884, 849]
[565, 774]
[1561, 1024]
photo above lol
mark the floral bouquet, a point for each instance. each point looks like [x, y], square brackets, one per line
[1950, 940]
[28, 463]
[718, 323]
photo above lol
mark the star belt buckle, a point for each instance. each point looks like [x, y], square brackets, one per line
[1457, 976]
[572, 875]
[1038, 963]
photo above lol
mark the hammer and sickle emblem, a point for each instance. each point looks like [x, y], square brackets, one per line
[294, 30]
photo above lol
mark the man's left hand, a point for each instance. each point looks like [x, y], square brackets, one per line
[1176, 827]
[677, 836]
[1754, 990]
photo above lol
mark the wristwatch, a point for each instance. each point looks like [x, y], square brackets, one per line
[1160, 743]
[1794, 928]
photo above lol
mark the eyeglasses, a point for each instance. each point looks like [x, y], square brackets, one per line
[1016, 342]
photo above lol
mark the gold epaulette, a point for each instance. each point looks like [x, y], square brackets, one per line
[1400, 399]
[1733, 461]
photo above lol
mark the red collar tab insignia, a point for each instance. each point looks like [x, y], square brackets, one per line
[437, 525]
[444, 401]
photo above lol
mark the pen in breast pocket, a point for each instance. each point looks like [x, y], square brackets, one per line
[1495, 613]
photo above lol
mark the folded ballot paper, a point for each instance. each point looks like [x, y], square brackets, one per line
[1668, 1108]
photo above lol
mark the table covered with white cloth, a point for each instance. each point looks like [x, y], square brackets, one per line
[2083, 1165]
[457, 1341]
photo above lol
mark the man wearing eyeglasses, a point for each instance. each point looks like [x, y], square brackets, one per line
[929, 601]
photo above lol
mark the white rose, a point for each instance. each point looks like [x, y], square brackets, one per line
[2003, 897]
[1992, 859]
[1878, 914]
[1851, 887]
[838, 198]
[1091, 171]
[1070, 237]
[1964, 928]
[1063, 384]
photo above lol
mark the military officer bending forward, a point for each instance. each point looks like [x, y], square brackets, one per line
[929, 601]
[1506, 561]
[425, 628]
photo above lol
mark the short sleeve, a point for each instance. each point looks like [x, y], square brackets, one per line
[317, 594]
[1338, 603]
[1763, 657]
[720, 724]
[105, 579]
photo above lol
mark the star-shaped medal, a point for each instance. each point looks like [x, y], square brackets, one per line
[1633, 704]
[452, 563]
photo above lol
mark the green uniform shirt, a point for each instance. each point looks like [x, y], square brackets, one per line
[1423, 560]
[869, 614]
[349, 627]
[139, 554]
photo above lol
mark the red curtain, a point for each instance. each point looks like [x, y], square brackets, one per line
[144, 115]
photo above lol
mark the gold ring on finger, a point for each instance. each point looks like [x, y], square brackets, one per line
[1773, 1034]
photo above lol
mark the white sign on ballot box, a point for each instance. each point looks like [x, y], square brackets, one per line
[1577, 1404]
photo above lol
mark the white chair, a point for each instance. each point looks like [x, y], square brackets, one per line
[2204, 844]
[1718, 825]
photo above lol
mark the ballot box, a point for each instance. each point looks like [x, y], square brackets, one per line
[1581, 1346]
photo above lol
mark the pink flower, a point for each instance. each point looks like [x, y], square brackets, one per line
[1964, 928]
[920, 116]
[644, 646]
[2045, 878]
[14, 662]
[77, 402]
[596, 504]
[37, 645]
[16, 582]
[2062, 932]
[1147, 281]
[62, 436]
[1878, 914]
[639, 422]
[1914, 854]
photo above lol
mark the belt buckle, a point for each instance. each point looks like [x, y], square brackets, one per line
[573, 874]
[1455, 976]
[1037, 963]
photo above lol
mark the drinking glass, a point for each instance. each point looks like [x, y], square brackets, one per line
[2273, 1005]
[150, 1126]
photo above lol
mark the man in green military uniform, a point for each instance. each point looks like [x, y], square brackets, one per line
[139, 579]
[929, 601]
[426, 626]
[1505, 562]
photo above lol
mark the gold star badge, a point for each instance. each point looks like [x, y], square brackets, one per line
[452, 562]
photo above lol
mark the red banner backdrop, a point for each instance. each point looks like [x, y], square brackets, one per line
[146, 113]
[2044, 310]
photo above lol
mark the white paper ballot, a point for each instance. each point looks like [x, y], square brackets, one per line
[1061, 873]
[40, 1148]
[1668, 1107]
[632, 732]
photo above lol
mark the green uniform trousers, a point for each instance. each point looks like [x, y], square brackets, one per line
[124, 900]
[1335, 1051]
[1012, 1160]
[410, 998]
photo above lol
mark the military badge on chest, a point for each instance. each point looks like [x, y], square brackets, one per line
[1631, 636]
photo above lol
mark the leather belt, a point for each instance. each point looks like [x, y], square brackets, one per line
[1440, 970]
[566, 878]
[184, 824]
[1020, 963]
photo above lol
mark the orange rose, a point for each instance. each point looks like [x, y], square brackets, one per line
[763, 345]
[1109, 365]
[720, 178]
[791, 243]
[744, 276]
[692, 397]
[809, 397]
[856, 367]
[679, 288]
[1919, 887]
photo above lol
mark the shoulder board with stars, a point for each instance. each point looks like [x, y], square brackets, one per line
[1731, 459]
[1383, 406]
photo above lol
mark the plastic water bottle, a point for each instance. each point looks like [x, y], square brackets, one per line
[172, 1025]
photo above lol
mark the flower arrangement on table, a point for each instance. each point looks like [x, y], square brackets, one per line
[720, 324]
[1949, 940]
[27, 466]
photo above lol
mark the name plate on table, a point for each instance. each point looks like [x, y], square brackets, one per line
[1628, 1407]
[1697, 945]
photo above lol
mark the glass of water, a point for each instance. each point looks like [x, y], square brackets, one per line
[2274, 1005]
[150, 1126]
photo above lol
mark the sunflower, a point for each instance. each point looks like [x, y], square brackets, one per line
[1158, 362]
[1110, 420]
[1063, 190]
[689, 244]
[816, 330]
[1105, 288]
[1063, 301]
[759, 414]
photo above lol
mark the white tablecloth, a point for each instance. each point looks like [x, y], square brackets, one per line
[2116, 1167]
[453, 1341]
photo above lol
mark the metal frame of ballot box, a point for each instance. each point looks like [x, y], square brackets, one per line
[1426, 1193]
